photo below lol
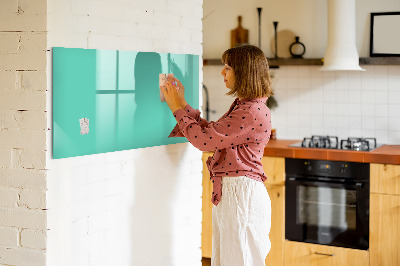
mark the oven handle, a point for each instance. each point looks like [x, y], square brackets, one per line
[357, 185]
[325, 254]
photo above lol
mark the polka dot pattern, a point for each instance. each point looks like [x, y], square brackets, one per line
[238, 139]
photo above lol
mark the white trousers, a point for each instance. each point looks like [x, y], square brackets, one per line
[241, 223]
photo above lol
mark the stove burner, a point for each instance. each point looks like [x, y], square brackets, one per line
[328, 142]
[358, 144]
[332, 142]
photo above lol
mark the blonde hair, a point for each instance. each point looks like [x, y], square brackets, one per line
[250, 66]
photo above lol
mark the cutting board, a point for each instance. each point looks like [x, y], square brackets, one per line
[239, 35]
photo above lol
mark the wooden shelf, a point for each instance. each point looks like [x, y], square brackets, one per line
[380, 61]
[274, 63]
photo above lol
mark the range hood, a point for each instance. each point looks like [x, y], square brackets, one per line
[341, 51]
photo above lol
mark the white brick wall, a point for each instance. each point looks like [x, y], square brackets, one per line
[23, 125]
[136, 207]
[100, 206]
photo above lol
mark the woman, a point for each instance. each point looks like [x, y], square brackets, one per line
[242, 208]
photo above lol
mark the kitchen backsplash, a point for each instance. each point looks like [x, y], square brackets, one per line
[314, 102]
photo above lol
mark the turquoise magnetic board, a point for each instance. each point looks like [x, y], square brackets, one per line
[109, 100]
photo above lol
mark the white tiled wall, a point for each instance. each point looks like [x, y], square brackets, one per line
[312, 102]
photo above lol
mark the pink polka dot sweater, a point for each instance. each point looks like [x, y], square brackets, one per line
[238, 139]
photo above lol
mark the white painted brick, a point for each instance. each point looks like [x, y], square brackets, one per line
[149, 6]
[191, 22]
[9, 42]
[31, 80]
[34, 120]
[33, 159]
[31, 54]
[197, 10]
[136, 44]
[154, 32]
[179, 7]
[108, 42]
[23, 218]
[17, 256]
[25, 139]
[80, 228]
[8, 197]
[33, 199]
[128, 169]
[114, 186]
[79, 176]
[5, 158]
[36, 7]
[164, 46]
[8, 80]
[8, 6]
[179, 34]
[168, 19]
[33, 239]
[23, 22]
[98, 222]
[23, 100]
[32, 61]
[16, 158]
[96, 173]
[196, 38]
[8, 237]
[23, 178]
[104, 10]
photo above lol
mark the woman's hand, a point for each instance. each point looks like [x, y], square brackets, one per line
[172, 96]
[181, 91]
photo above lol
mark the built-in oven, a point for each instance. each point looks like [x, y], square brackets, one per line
[327, 202]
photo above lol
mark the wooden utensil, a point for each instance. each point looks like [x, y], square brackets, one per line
[239, 35]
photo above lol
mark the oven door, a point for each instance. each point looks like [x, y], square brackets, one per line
[327, 213]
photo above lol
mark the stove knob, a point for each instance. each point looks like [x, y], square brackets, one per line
[343, 168]
[308, 166]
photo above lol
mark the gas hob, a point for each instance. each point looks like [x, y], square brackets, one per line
[332, 142]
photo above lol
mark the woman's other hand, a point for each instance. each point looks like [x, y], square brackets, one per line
[181, 91]
[172, 94]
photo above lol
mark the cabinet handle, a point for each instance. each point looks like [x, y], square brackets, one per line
[325, 254]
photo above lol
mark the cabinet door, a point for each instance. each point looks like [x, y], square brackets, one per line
[277, 233]
[274, 168]
[384, 229]
[305, 254]
[206, 232]
[385, 178]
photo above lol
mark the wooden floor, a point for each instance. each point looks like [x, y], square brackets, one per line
[206, 261]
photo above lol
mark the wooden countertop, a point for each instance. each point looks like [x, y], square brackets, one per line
[389, 154]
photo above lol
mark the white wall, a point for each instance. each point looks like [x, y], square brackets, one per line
[305, 18]
[136, 207]
[23, 133]
[311, 102]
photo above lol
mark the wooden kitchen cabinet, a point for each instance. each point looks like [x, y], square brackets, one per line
[305, 254]
[274, 168]
[277, 233]
[385, 178]
[206, 225]
[384, 236]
